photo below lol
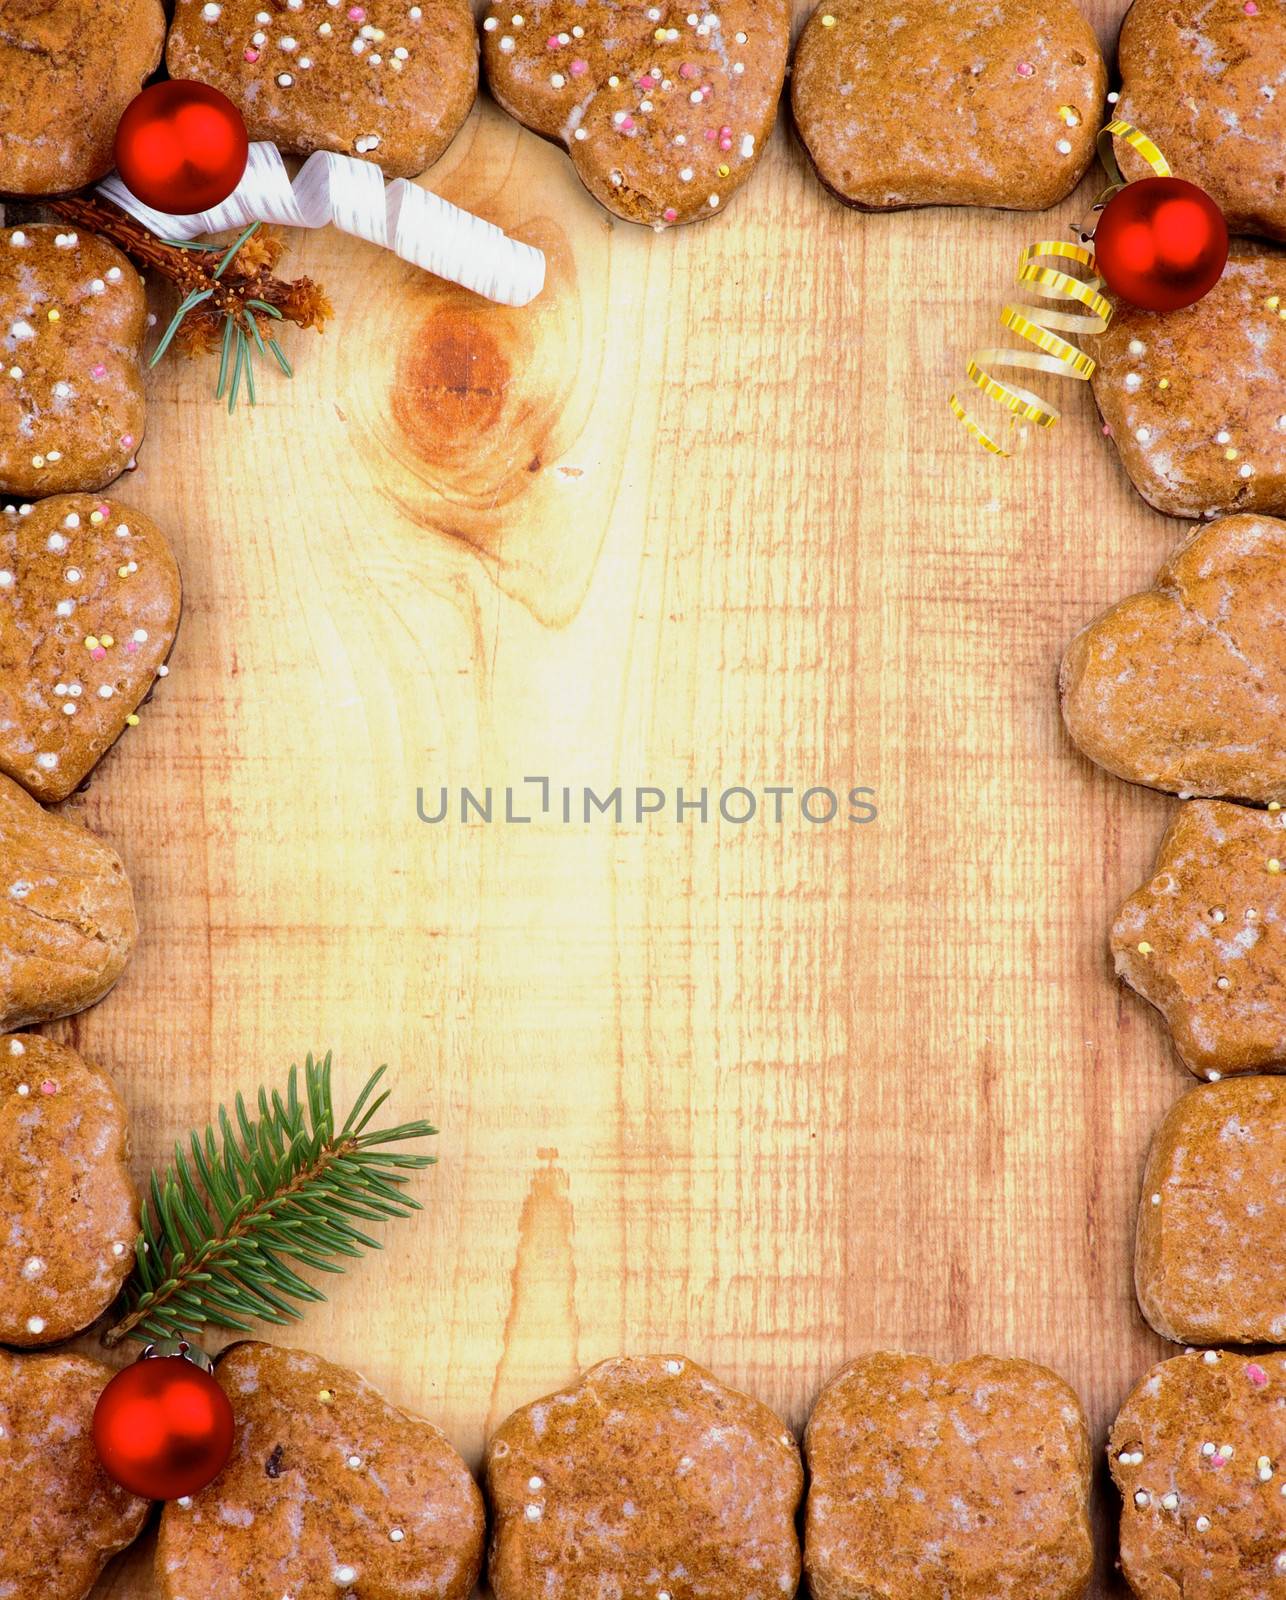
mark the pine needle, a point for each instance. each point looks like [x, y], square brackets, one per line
[193, 300]
[224, 1223]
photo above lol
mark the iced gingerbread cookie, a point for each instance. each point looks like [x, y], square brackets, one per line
[969, 1481]
[647, 1477]
[1203, 77]
[1183, 687]
[1195, 400]
[330, 1490]
[1015, 89]
[72, 321]
[70, 1208]
[1210, 1260]
[67, 922]
[89, 606]
[1199, 1455]
[61, 1517]
[663, 109]
[68, 69]
[384, 80]
[1203, 940]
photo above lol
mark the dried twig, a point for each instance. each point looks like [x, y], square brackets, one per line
[231, 298]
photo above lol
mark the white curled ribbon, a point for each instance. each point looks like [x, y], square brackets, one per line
[420, 227]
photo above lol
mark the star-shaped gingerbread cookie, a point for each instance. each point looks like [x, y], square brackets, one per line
[1205, 938]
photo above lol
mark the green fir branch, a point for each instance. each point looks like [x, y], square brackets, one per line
[224, 1223]
[237, 352]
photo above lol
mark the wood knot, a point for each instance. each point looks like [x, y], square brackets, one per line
[452, 382]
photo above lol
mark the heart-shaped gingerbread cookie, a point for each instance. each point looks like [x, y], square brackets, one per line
[384, 81]
[61, 1517]
[66, 1193]
[67, 921]
[1183, 687]
[330, 1491]
[664, 110]
[89, 606]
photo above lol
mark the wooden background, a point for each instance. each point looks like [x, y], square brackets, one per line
[770, 1096]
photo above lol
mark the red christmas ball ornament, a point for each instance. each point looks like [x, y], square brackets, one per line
[163, 1428]
[1161, 243]
[181, 147]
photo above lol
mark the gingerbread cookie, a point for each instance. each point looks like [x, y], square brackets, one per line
[1015, 89]
[1183, 687]
[67, 922]
[61, 1517]
[969, 1481]
[65, 1190]
[1195, 400]
[383, 80]
[72, 321]
[330, 1490]
[1198, 1453]
[663, 110]
[68, 69]
[645, 1478]
[1210, 1261]
[1203, 77]
[1203, 940]
[89, 606]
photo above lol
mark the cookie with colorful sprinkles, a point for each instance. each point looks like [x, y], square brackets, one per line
[62, 1518]
[1204, 78]
[385, 80]
[89, 607]
[645, 1478]
[904, 103]
[67, 919]
[68, 69]
[1204, 940]
[330, 1490]
[1210, 1259]
[969, 1480]
[664, 110]
[1195, 400]
[72, 322]
[1198, 1453]
[69, 1203]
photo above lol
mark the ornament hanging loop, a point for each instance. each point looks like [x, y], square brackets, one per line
[167, 1349]
[1137, 140]
[1105, 143]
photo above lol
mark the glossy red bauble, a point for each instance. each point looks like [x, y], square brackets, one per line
[1161, 243]
[181, 147]
[163, 1427]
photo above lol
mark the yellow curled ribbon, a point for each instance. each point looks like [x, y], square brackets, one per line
[1043, 325]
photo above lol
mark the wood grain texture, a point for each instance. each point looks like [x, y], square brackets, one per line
[770, 1095]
